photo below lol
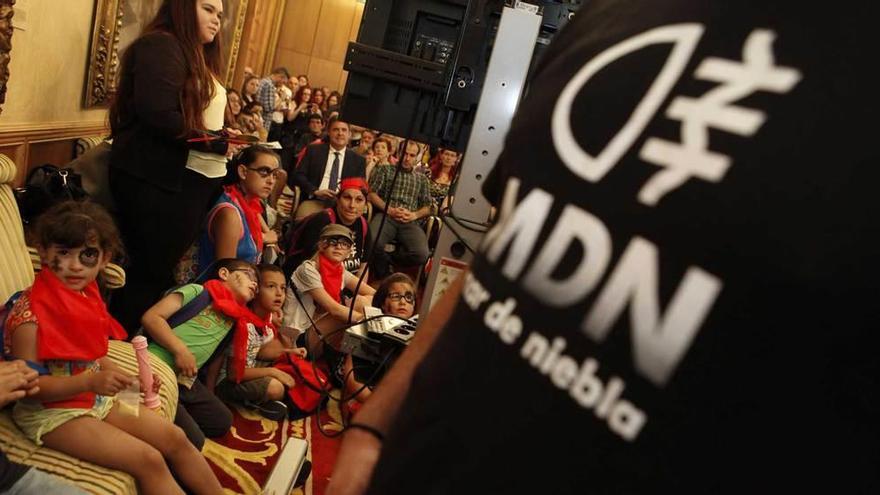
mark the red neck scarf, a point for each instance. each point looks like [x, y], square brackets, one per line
[331, 276]
[223, 301]
[71, 326]
[252, 208]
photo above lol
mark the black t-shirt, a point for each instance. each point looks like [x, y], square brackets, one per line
[10, 472]
[307, 241]
[680, 290]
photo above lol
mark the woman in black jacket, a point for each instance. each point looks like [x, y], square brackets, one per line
[162, 184]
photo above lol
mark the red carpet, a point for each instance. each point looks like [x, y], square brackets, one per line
[244, 457]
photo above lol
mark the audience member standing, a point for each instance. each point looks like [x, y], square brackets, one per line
[162, 184]
[269, 88]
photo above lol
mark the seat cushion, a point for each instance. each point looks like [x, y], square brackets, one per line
[87, 476]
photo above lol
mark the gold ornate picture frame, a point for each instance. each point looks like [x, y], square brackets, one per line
[118, 23]
[6, 13]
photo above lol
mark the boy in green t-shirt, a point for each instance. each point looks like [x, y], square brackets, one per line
[190, 344]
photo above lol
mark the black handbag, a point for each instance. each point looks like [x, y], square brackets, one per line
[47, 185]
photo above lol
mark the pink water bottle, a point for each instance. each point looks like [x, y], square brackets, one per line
[145, 371]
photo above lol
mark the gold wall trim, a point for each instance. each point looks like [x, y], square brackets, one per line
[6, 13]
[44, 132]
[103, 54]
[235, 42]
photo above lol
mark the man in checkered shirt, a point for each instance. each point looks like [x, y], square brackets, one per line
[409, 202]
[269, 87]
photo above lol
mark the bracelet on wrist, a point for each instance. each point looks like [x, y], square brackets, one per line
[369, 429]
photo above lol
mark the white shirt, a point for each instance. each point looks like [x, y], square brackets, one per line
[325, 181]
[211, 165]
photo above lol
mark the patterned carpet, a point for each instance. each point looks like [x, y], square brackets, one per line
[244, 458]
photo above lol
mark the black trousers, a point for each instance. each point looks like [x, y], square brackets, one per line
[201, 414]
[157, 227]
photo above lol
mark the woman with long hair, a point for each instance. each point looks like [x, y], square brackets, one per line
[318, 97]
[302, 107]
[249, 89]
[444, 167]
[233, 109]
[162, 181]
[333, 101]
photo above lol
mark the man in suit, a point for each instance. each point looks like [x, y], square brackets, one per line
[323, 166]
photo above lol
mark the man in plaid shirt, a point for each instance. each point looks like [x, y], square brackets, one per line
[408, 202]
[269, 87]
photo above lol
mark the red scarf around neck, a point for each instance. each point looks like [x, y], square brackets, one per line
[71, 326]
[253, 210]
[331, 276]
[223, 301]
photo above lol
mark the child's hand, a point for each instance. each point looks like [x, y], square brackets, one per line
[16, 381]
[185, 362]
[299, 351]
[283, 377]
[109, 382]
[157, 384]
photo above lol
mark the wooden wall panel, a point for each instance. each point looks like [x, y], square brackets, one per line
[324, 73]
[334, 27]
[296, 62]
[352, 36]
[299, 27]
[314, 38]
[263, 17]
[54, 152]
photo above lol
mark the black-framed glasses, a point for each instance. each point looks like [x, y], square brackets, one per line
[406, 296]
[266, 171]
[250, 274]
[339, 241]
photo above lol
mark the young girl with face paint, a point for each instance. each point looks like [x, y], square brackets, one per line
[60, 327]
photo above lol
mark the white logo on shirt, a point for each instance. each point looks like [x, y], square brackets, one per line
[716, 109]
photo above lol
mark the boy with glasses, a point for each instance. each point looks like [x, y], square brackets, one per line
[314, 296]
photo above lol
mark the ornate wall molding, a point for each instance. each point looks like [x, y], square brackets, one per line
[235, 42]
[103, 53]
[6, 13]
[39, 132]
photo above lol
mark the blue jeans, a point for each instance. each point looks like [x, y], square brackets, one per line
[40, 482]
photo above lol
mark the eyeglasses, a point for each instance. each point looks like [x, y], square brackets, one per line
[266, 171]
[397, 296]
[339, 241]
[248, 273]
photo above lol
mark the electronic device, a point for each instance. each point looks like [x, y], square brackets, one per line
[286, 470]
[418, 66]
[380, 336]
